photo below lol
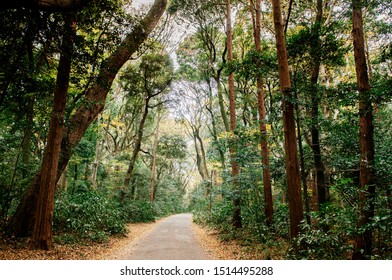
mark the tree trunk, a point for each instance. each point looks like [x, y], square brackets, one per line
[237, 222]
[214, 129]
[292, 167]
[154, 159]
[203, 162]
[222, 104]
[62, 184]
[363, 241]
[302, 163]
[138, 143]
[93, 103]
[42, 237]
[97, 155]
[198, 158]
[315, 134]
[26, 145]
[268, 208]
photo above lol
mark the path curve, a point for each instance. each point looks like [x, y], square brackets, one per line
[172, 239]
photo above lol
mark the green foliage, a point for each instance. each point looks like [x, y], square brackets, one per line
[172, 147]
[138, 211]
[315, 242]
[218, 216]
[308, 43]
[150, 76]
[256, 64]
[87, 215]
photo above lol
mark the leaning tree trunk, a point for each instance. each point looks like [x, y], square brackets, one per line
[292, 166]
[94, 101]
[363, 241]
[237, 222]
[42, 237]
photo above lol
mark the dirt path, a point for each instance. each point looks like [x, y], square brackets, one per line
[171, 239]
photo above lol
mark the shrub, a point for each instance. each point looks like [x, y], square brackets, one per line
[332, 243]
[87, 215]
[138, 211]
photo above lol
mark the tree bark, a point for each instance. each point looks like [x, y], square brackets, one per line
[292, 166]
[363, 241]
[237, 222]
[93, 103]
[42, 237]
[268, 202]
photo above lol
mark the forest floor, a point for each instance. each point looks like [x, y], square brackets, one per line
[209, 239]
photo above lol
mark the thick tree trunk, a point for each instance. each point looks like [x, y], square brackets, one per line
[363, 242]
[237, 222]
[268, 208]
[42, 237]
[94, 101]
[292, 166]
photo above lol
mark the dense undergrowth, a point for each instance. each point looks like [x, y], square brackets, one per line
[93, 215]
[329, 236]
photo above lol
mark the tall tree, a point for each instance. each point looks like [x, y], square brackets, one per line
[93, 103]
[42, 237]
[235, 170]
[149, 79]
[207, 15]
[154, 157]
[315, 96]
[363, 241]
[268, 208]
[292, 166]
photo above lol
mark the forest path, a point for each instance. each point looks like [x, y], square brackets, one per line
[171, 239]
